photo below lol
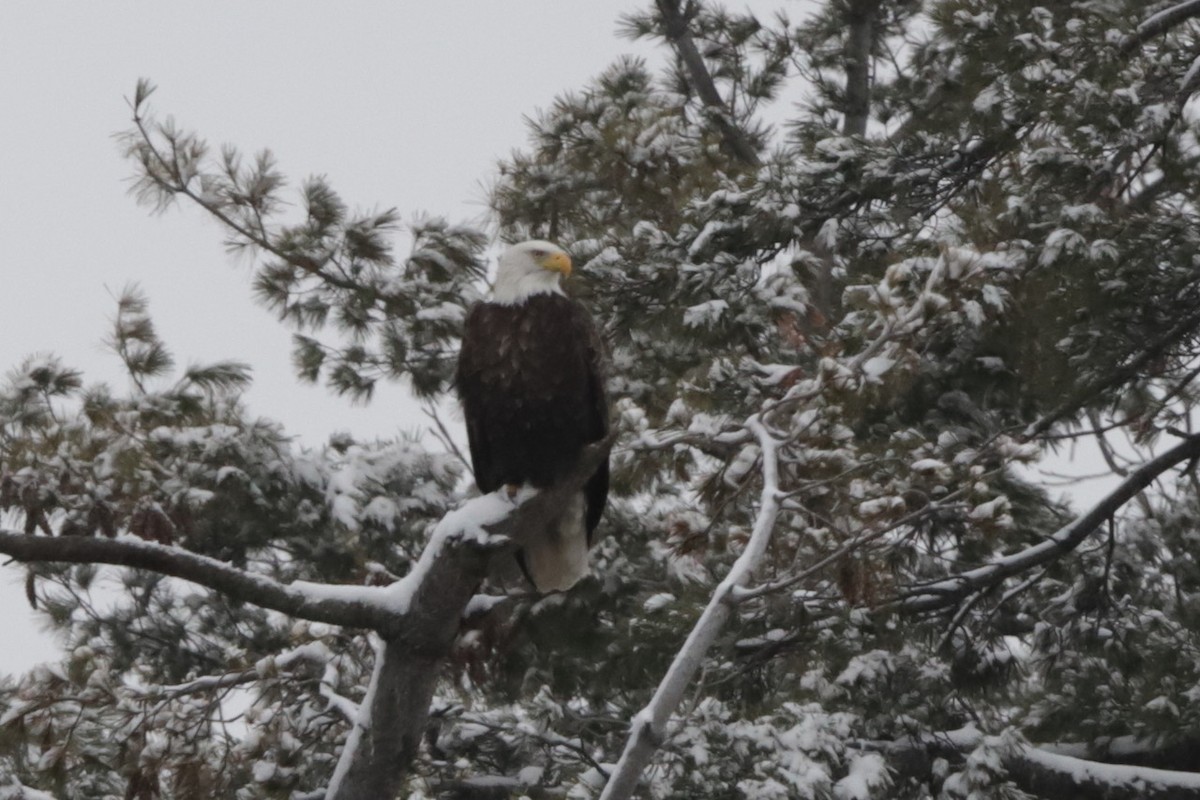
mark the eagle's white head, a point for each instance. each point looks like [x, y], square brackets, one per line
[530, 268]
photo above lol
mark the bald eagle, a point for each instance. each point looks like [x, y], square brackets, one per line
[529, 377]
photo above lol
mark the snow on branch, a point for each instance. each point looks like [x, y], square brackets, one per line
[416, 618]
[947, 592]
[1054, 774]
[1035, 769]
[648, 729]
[15, 790]
[1160, 22]
[349, 606]
[391, 719]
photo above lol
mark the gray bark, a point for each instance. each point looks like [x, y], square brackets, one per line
[1040, 772]
[675, 23]
[416, 639]
[860, 41]
[1160, 23]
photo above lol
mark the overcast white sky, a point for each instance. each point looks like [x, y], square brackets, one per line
[404, 104]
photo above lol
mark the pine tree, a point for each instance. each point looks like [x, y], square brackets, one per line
[857, 273]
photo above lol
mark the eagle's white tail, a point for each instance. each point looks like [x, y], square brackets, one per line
[558, 559]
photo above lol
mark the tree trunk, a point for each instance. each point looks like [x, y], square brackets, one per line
[396, 710]
[860, 41]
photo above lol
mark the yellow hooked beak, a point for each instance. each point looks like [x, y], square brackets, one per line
[558, 262]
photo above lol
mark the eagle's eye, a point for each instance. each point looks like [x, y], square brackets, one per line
[538, 253]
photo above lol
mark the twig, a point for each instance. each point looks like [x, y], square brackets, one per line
[444, 436]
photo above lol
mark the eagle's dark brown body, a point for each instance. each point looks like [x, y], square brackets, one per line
[529, 376]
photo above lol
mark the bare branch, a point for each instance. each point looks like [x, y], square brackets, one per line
[442, 435]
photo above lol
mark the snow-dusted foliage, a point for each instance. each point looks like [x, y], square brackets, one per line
[166, 689]
[838, 346]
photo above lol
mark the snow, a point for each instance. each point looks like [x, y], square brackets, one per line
[346, 593]
[264, 771]
[530, 776]
[1063, 240]
[445, 312]
[15, 790]
[657, 602]
[868, 772]
[482, 604]
[711, 229]
[987, 99]
[876, 366]
[467, 523]
[361, 724]
[1081, 771]
[867, 667]
[382, 510]
[704, 314]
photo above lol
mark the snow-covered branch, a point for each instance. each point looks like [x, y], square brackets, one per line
[416, 618]
[1040, 771]
[1159, 23]
[15, 790]
[348, 606]
[648, 729]
[947, 592]
[392, 717]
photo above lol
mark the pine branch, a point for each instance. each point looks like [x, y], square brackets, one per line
[949, 591]
[417, 617]
[677, 32]
[1154, 350]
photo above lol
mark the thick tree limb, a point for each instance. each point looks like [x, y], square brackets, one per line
[351, 607]
[648, 729]
[1043, 773]
[396, 709]
[860, 39]
[675, 25]
[417, 618]
[947, 592]
[1047, 774]
[1158, 23]
[1179, 755]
